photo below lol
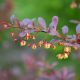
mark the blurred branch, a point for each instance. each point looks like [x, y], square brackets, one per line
[6, 9]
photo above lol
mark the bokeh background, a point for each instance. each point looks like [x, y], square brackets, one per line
[11, 53]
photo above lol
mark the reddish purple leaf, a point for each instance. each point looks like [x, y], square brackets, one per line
[78, 28]
[65, 29]
[12, 18]
[52, 31]
[22, 34]
[54, 22]
[42, 22]
[28, 22]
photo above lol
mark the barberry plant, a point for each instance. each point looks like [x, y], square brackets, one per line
[26, 28]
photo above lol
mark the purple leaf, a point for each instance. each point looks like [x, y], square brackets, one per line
[74, 37]
[12, 19]
[28, 22]
[30, 25]
[52, 31]
[54, 22]
[17, 22]
[22, 34]
[78, 28]
[53, 41]
[42, 22]
[21, 24]
[28, 31]
[65, 29]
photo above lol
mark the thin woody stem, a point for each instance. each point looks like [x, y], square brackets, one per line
[33, 28]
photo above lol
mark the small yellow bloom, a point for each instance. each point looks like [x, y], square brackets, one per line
[47, 45]
[65, 55]
[22, 43]
[67, 49]
[40, 43]
[60, 56]
[34, 46]
[33, 37]
[54, 47]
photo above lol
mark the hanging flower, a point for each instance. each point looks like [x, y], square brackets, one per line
[34, 46]
[61, 43]
[60, 56]
[28, 36]
[67, 49]
[29, 45]
[54, 47]
[33, 37]
[40, 43]
[65, 55]
[22, 43]
[47, 45]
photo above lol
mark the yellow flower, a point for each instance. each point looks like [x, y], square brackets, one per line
[60, 56]
[22, 43]
[67, 49]
[34, 46]
[47, 45]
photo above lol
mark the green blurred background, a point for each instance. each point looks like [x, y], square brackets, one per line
[47, 9]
